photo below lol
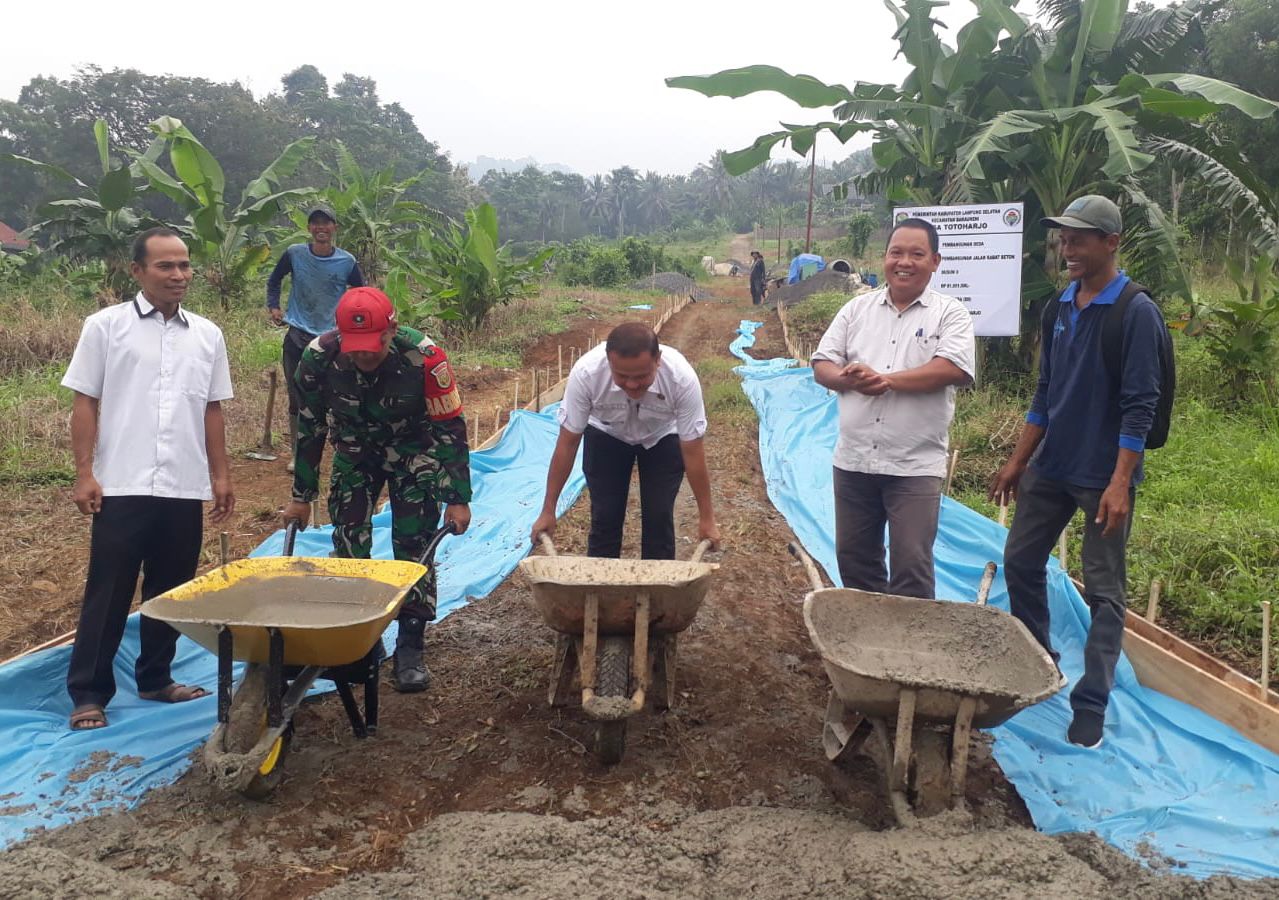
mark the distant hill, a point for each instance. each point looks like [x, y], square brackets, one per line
[485, 164]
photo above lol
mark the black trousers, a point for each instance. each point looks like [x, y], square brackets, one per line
[1044, 508]
[295, 341]
[158, 536]
[607, 464]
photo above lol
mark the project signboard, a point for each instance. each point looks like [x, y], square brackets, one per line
[981, 260]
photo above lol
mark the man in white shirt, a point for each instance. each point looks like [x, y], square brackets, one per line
[636, 402]
[149, 441]
[895, 357]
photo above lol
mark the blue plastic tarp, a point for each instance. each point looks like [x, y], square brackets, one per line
[797, 264]
[50, 776]
[1168, 779]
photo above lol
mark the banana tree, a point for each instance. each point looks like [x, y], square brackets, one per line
[98, 224]
[464, 271]
[1019, 110]
[228, 243]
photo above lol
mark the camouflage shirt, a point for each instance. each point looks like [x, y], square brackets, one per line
[407, 407]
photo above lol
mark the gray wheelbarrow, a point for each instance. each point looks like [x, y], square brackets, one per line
[912, 677]
[618, 622]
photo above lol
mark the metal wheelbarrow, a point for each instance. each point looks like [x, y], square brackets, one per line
[911, 678]
[292, 620]
[618, 622]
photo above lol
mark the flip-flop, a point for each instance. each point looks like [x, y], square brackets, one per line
[83, 717]
[175, 693]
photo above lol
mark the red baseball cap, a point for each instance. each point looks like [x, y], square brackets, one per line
[363, 314]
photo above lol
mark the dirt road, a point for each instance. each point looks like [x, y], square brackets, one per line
[478, 788]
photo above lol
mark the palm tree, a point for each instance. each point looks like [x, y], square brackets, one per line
[623, 183]
[653, 203]
[595, 201]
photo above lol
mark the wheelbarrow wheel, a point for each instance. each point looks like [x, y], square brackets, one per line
[245, 725]
[612, 679]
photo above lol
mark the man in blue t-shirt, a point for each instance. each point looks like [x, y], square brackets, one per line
[1082, 448]
[320, 274]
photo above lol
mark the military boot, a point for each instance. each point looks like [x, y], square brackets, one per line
[409, 672]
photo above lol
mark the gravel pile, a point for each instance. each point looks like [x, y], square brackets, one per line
[821, 283]
[670, 283]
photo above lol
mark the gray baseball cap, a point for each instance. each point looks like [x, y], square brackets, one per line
[320, 209]
[1089, 211]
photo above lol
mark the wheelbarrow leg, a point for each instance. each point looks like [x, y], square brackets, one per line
[663, 684]
[352, 710]
[882, 751]
[559, 692]
[843, 732]
[371, 698]
[959, 750]
[590, 641]
[225, 648]
[639, 659]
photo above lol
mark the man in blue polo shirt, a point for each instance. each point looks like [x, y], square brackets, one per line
[320, 274]
[1081, 448]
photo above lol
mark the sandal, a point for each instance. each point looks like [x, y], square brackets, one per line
[174, 693]
[88, 717]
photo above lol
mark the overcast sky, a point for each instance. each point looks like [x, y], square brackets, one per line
[577, 83]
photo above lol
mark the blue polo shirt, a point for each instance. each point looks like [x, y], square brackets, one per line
[1087, 416]
[317, 283]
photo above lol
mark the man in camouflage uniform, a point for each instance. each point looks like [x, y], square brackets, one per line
[385, 396]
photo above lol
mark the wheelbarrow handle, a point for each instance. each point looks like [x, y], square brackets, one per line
[290, 535]
[814, 577]
[987, 579]
[548, 546]
[428, 556]
[700, 550]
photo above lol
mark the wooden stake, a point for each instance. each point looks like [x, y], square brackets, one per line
[1003, 513]
[592, 337]
[1265, 651]
[950, 470]
[1061, 547]
[497, 419]
[559, 353]
[537, 391]
[224, 543]
[1152, 605]
[516, 404]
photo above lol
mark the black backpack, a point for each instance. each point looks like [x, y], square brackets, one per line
[1112, 352]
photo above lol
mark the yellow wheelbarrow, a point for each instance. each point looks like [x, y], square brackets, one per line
[292, 620]
[618, 621]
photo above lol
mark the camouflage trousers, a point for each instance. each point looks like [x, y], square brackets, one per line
[415, 514]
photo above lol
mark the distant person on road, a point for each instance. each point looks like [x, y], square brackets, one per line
[319, 273]
[895, 356]
[149, 440]
[385, 396]
[759, 278]
[1082, 448]
[635, 402]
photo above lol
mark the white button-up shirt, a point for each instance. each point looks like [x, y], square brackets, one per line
[153, 379]
[897, 433]
[672, 405]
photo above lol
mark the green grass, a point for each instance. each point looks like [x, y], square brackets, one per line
[808, 321]
[722, 392]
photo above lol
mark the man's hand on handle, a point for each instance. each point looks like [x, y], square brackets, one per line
[87, 495]
[277, 316]
[296, 509]
[707, 530]
[545, 524]
[460, 515]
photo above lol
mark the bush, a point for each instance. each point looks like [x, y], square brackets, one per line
[607, 267]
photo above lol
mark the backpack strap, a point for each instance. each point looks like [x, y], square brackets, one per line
[1048, 319]
[1112, 329]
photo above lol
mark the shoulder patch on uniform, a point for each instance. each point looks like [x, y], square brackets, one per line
[442, 399]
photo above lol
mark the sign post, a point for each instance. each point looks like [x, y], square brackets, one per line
[981, 260]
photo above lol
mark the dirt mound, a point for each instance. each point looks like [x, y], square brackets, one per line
[823, 282]
[757, 852]
[38, 873]
[670, 283]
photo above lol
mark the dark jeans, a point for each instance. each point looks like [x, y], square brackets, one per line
[607, 464]
[295, 341]
[908, 505]
[757, 294]
[162, 538]
[1044, 508]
